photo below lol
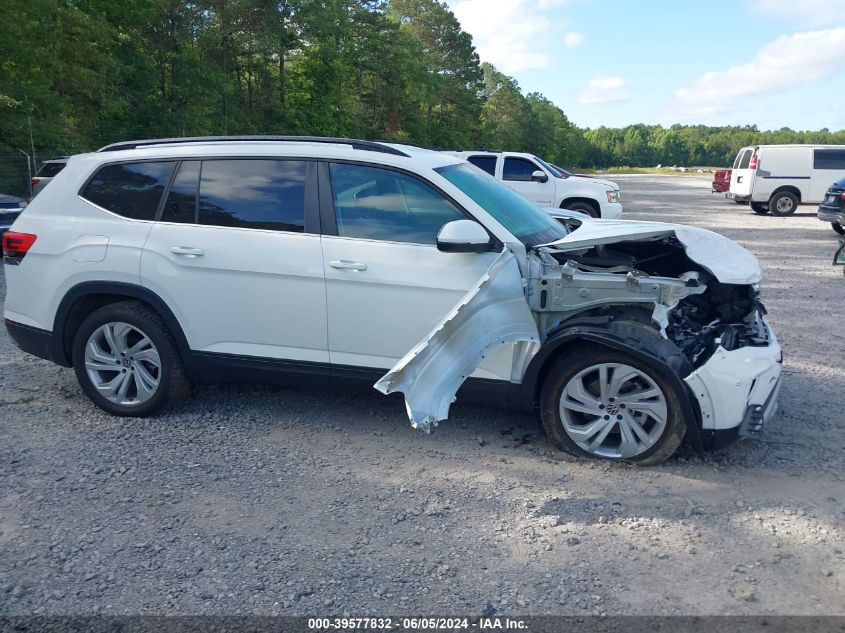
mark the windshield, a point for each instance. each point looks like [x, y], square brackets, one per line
[555, 171]
[525, 221]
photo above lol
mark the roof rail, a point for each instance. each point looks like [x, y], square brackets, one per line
[370, 146]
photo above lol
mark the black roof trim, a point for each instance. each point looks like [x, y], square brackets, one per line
[370, 146]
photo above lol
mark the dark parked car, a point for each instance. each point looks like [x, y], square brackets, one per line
[10, 209]
[832, 208]
[721, 181]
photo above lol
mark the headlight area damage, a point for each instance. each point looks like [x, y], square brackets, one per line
[660, 289]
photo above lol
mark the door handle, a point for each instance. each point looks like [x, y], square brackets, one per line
[187, 251]
[347, 265]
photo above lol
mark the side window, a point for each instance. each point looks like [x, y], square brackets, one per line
[380, 204]
[487, 163]
[253, 193]
[746, 159]
[518, 169]
[181, 204]
[829, 159]
[132, 190]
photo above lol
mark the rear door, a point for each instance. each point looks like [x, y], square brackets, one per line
[516, 174]
[236, 255]
[828, 167]
[742, 177]
[485, 162]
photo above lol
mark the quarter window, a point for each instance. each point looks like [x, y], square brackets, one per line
[380, 204]
[131, 190]
[181, 204]
[487, 163]
[518, 169]
[253, 193]
[829, 159]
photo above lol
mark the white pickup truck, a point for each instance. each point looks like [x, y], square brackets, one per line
[546, 185]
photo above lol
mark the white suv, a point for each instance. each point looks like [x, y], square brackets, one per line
[312, 260]
[549, 186]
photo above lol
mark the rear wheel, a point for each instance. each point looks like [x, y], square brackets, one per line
[126, 360]
[783, 203]
[585, 207]
[838, 228]
[760, 207]
[605, 404]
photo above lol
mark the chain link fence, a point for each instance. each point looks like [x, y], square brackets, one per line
[17, 170]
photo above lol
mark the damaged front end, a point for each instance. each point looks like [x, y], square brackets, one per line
[689, 292]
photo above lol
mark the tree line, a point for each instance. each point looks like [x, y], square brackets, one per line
[78, 74]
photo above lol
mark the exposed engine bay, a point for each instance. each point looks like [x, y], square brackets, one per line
[692, 308]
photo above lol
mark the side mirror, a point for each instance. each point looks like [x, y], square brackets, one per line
[463, 236]
[539, 176]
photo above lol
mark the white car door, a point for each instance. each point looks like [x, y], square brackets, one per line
[387, 284]
[236, 255]
[517, 174]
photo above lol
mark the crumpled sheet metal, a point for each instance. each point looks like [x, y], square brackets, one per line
[492, 314]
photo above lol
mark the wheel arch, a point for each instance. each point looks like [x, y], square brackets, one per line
[632, 337]
[590, 201]
[82, 299]
[795, 191]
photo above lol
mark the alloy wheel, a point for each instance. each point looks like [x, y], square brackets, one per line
[122, 363]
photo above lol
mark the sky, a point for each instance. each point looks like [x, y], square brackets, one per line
[770, 63]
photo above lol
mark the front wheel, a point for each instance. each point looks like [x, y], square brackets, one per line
[838, 228]
[761, 208]
[584, 207]
[601, 403]
[783, 203]
[126, 360]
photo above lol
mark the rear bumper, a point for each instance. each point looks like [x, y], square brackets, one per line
[32, 340]
[737, 197]
[832, 214]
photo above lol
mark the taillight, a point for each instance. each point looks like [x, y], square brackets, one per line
[16, 246]
[753, 165]
[35, 181]
[842, 196]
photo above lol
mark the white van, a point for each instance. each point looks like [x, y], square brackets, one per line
[548, 186]
[777, 178]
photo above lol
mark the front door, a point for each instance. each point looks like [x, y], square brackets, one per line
[387, 284]
[516, 174]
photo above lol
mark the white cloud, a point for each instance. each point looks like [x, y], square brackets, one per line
[787, 62]
[806, 12]
[603, 89]
[508, 33]
[573, 39]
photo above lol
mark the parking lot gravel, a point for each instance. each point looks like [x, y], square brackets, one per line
[247, 499]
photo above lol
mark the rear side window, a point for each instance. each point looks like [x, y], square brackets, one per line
[131, 190]
[253, 193]
[829, 159]
[487, 163]
[746, 159]
[48, 170]
[518, 169]
[181, 204]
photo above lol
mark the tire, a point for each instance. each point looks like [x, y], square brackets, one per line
[578, 372]
[760, 208]
[110, 343]
[586, 207]
[783, 203]
[838, 228]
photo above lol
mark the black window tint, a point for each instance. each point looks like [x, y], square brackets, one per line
[255, 194]
[48, 170]
[829, 159]
[181, 204]
[132, 190]
[518, 169]
[487, 163]
[746, 159]
[380, 204]
[738, 158]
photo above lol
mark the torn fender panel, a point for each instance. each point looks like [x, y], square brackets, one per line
[726, 260]
[493, 313]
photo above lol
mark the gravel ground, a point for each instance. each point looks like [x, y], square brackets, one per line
[249, 499]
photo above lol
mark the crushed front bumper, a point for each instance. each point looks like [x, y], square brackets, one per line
[738, 389]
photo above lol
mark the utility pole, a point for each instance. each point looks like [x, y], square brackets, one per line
[29, 171]
[31, 147]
